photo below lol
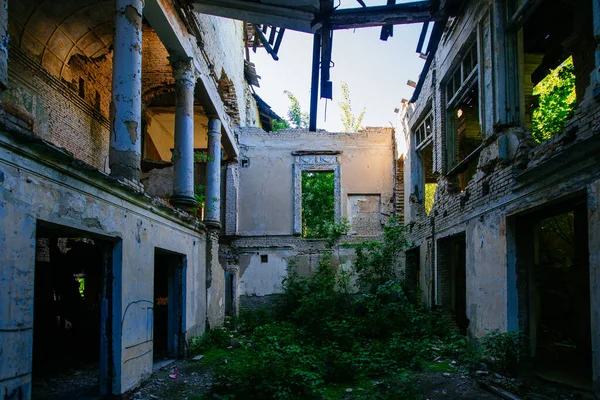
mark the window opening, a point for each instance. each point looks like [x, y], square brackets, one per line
[424, 131]
[552, 47]
[264, 258]
[318, 203]
[463, 126]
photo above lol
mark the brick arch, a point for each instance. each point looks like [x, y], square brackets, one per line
[52, 31]
[162, 95]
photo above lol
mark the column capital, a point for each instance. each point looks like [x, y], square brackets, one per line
[214, 125]
[183, 69]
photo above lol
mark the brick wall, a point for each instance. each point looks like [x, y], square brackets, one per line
[54, 110]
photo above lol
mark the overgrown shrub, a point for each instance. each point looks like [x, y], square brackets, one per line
[502, 350]
[320, 340]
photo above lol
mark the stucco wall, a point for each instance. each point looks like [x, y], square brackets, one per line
[266, 198]
[41, 183]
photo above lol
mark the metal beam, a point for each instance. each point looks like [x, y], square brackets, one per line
[405, 13]
[314, 86]
[258, 13]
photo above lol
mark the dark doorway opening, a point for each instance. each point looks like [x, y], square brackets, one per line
[452, 279]
[230, 292]
[554, 292]
[72, 314]
[168, 339]
[412, 275]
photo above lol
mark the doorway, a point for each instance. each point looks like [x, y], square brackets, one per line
[72, 357]
[168, 332]
[553, 286]
[452, 279]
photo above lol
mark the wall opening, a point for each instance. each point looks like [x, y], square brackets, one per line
[231, 292]
[553, 48]
[463, 126]
[412, 275]
[72, 356]
[168, 339]
[318, 203]
[554, 292]
[452, 280]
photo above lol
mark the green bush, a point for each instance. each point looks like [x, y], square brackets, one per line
[320, 340]
[502, 350]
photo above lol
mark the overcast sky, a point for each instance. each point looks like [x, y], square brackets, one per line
[376, 72]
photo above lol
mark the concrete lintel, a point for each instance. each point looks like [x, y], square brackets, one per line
[174, 35]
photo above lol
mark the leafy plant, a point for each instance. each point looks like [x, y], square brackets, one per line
[321, 340]
[279, 124]
[350, 122]
[296, 117]
[557, 100]
[376, 261]
[502, 349]
[318, 204]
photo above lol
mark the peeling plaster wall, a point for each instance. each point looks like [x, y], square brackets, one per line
[266, 185]
[265, 261]
[223, 41]
[265, 247]
[514, 176]
[41, 183]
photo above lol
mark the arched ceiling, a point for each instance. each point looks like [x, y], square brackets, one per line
[52, 31]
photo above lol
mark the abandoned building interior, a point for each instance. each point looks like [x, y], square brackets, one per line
[144, 195]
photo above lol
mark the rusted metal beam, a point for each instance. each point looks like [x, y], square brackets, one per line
[265, 42]
[422, 37]
[314, 86]
[405, 13]
[434, 41]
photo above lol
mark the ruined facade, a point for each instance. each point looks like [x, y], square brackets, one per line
[98, 97]
[266, 237]
[501, 204]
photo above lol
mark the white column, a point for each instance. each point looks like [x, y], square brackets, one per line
[183, 154]
[126, 105]
[212, 213]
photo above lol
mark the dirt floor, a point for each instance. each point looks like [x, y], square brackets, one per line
[195, 380]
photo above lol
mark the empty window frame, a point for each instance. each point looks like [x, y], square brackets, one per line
[318, 203]
[548, 46]
[463, 126]
[424, 130]
[426, 180]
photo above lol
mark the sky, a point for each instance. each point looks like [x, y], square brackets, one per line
[375, 71]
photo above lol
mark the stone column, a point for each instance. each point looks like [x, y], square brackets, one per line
[212, 213]
[126, 105]
[232, 184]
[4, 38]
[183, 155]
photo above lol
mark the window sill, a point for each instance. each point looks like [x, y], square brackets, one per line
[463, 165]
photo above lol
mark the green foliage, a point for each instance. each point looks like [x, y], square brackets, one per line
[350, 122]
[318, 204]
[279, 124]
[502, 350]
[376, 261]
[557, 100]
[430, 189]
[217, 338]
[319, 340]
[200, 201]
[296, 118]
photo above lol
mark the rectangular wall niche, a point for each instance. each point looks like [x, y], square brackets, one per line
[364, 213]
[315, 161]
